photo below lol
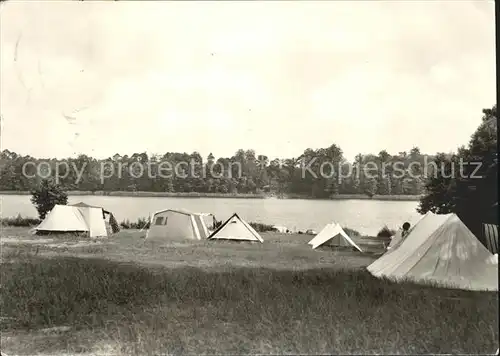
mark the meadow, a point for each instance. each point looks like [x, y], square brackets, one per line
[127, 296]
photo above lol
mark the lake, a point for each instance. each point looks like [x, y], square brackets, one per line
[366, 216]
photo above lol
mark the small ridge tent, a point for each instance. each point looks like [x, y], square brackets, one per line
[236, 228]
[280, 229]
[66, 218]
[439, 249]
[333, 235]
[178, 224]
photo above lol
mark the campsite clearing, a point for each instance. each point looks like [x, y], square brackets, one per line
[279, 251]
[127, 295]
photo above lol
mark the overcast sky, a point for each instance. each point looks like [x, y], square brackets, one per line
[278, 77]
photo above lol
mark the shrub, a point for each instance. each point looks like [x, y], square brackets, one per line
[141, 223]
[259, 227]
[46, 196]
[386, 232]
[20, 221]
[217, 224]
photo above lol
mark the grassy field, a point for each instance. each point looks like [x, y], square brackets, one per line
[127, 296]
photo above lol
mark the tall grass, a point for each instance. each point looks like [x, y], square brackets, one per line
[139, 310]
[20, 221]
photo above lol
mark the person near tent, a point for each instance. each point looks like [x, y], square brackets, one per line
[400, 235]
[406, 229]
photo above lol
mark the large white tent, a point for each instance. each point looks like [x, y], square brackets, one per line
[236, 228]
[178, 224]
[396, 239]
[333, 235]
[108, 216]
[439, 249]
[65, 218]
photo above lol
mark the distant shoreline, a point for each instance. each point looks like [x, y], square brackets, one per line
[226, 195]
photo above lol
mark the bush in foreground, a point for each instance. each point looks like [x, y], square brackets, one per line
[386, 232]
[141, 310]
[47, 195]
[20, 221]
[140, 223]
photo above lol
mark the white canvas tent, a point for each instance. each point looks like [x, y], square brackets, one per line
[66, 218]
[109, 218]
[334, 235]
[493, 259]
[280, 229]
[439, 249]
[395, 240]
[236, 228]
[179, 224]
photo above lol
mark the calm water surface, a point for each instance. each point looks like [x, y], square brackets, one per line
[366, 216]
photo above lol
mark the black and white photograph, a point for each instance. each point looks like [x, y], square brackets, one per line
[248, 178]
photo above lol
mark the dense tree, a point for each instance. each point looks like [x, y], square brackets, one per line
[318, 173]
[466, 183]
[46, 196]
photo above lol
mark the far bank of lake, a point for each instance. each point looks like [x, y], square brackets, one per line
[226, 195]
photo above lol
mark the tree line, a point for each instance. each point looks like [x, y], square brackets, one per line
[317, 173]
[473, 195]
